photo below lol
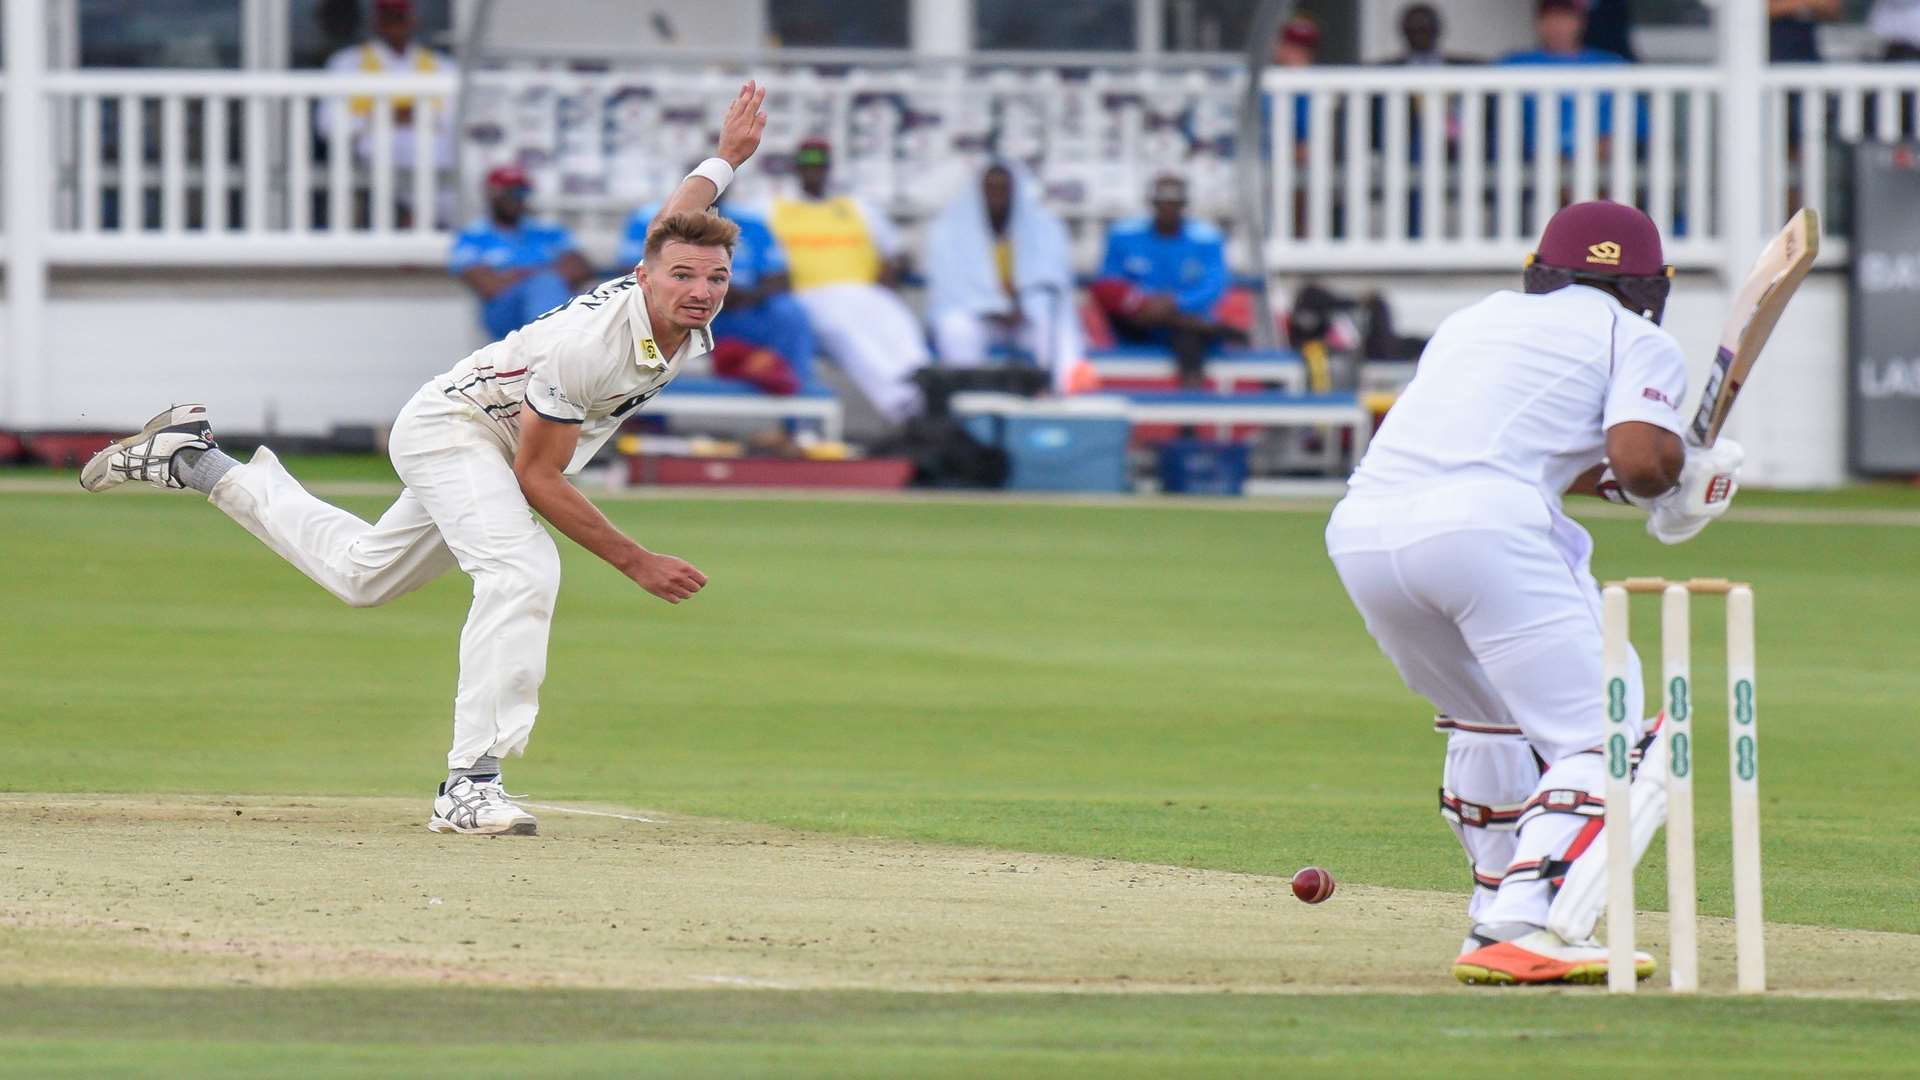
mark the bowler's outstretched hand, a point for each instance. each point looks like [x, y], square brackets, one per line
[743, 125]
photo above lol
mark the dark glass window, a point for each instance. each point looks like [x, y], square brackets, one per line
[1102, 25]
[836, 24]
[1207, 25]
[160, 33]
[319, 28]
[1672, 13]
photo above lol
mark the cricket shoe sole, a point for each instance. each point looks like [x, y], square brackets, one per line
[529, 827]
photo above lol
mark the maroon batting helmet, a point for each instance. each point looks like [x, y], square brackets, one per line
[1609, 245]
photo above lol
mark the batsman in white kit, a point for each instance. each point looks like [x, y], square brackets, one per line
[1454, 546]
[480, 449]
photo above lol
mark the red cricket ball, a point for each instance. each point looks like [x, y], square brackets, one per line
[1313, 885]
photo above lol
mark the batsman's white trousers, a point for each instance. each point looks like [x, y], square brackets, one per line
[462, 505]
[873, 337]
[1484, 615]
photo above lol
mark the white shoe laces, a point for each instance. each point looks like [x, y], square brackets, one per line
[496, 792]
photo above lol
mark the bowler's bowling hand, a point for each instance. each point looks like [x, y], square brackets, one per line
[668, 577]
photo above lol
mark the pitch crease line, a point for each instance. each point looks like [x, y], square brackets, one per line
[592, 813]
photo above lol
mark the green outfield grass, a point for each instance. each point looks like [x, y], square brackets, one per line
[1159, 685]
[476, 1034]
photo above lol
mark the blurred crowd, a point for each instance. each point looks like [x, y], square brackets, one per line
[1601, 32]
[820, 273]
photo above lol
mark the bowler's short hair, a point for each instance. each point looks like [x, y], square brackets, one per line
[701, 228]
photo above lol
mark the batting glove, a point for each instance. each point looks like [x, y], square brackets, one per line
[1707, 485]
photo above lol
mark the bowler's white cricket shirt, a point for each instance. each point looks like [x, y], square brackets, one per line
[591, 361]
[1522, 388]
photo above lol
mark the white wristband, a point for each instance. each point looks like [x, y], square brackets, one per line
[717, 172]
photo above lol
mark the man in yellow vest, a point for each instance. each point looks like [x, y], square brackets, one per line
[844, 257]
[392, 50]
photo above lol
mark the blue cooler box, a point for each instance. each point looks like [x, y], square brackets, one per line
[1203, 467]
[1060, 452]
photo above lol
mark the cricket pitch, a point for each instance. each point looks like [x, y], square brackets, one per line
[205, 891]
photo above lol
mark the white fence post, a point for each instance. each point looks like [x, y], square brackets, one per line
[28, 200]
[1743, 65]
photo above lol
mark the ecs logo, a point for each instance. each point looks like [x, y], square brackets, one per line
[1606, 253]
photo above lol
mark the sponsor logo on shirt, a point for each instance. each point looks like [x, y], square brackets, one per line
[1606, 253]
[1652, 394]
[647, 346]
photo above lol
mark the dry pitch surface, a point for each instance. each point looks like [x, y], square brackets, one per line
[199, 891]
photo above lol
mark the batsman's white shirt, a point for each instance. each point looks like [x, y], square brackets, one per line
[1518, 391]
[592, 361]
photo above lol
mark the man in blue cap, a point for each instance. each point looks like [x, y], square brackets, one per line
[519, 267]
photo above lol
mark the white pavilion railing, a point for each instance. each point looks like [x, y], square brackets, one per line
[1371, 168]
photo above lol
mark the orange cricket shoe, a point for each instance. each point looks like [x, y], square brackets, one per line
[1538, 958]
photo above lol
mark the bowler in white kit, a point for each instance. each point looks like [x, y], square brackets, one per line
[1454, 546]
[481, 449]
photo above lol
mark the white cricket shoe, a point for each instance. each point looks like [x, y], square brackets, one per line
[483, 808]
[149, 454]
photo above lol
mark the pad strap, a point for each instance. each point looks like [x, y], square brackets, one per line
[1562, 801]
[1539, 870]
[1554, 871]
[1479, 815]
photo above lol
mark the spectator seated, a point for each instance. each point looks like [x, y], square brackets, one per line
[999, 274]
[517, 267]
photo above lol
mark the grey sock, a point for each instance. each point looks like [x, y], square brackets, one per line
[201, 469]
[484, 768]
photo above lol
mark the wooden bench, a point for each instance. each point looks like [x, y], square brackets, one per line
[698, 395]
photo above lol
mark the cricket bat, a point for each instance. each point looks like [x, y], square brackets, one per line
[1782, 266]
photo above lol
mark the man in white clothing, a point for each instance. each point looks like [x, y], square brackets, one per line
[480, 449]
[1474, 582]
[392, 51]
[1000, 273]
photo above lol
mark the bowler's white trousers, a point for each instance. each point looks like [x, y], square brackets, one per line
[1482, 599]
[462, 505]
